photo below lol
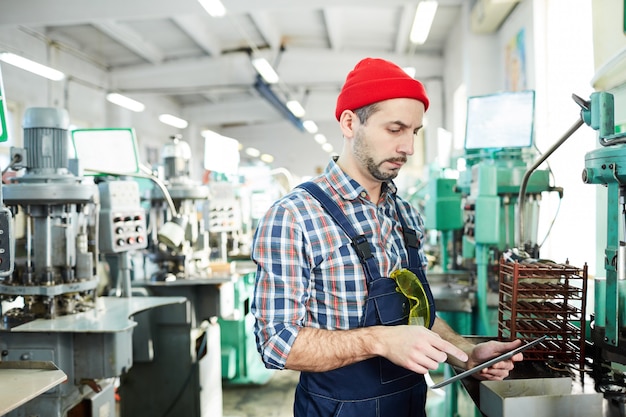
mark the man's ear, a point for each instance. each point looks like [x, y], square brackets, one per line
[348, 123]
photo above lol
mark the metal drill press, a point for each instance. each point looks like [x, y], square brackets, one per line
[56, 314]
[607, 166]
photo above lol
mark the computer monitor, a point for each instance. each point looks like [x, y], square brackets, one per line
[502, 120]
[221, 153]
[106, 150]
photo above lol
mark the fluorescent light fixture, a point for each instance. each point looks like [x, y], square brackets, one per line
[267, 158]
[296, 108]
[319, 138]
[310, 126]
[253, 152]
[265, 70]
[424, 16]
[213, 7]
[126, 102]
[327, 147]
[174, 121]
[32, 66]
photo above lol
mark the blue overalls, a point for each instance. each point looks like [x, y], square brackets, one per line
[374, 387]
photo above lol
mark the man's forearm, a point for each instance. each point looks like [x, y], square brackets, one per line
[317, 350]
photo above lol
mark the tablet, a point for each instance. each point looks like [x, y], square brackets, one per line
[504, 356]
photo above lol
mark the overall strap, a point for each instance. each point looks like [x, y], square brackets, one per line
[415, 263]
[359, 242]
[411, 240]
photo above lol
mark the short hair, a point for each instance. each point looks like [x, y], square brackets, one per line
[365, 112]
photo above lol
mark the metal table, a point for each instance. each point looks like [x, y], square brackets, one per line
[21, 381]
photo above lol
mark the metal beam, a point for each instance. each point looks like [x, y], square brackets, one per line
[130, 39]
[197, 28]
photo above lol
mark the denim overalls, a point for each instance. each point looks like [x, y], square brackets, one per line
[374, 387]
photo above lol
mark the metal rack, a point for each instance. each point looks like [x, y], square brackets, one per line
[544, 298]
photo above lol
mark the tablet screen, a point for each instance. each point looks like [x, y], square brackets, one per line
[490, 362]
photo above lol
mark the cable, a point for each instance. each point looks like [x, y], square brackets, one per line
[552, 222]
[16, 158]
[194, 366]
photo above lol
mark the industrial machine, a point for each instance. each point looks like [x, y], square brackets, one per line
[186, 264]
[52, 311]
[546, 298]
[169, 345]
[475, 215]
[186, 255]
[606, 166]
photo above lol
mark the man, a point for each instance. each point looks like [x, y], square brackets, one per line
[324, 301]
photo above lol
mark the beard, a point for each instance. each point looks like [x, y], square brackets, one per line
[363, 154]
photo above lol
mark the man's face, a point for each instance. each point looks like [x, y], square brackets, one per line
[384, 142]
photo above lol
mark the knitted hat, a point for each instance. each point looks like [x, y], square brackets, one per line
[373, 80]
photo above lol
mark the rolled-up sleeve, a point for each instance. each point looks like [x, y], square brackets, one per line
[282, 284]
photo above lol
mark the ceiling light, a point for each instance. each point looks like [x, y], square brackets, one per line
[174, 121]
[213, 7]
[265, 70]
[267, 158]
[424, 16]
[32, 66]
[296, 108]
[310, 126]
[327, 147]
[319, 138]
[126, 102]
[253, 152]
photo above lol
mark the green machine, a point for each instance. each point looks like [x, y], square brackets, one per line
[452, 288]
[606, 166]
[490, 210]
[241, 363]
[498, 153]
[479, 212]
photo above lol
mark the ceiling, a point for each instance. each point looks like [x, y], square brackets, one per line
[176, 50]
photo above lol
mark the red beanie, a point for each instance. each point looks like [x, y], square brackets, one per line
[373, 80]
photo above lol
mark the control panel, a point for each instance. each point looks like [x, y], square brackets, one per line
[122, 219]
[223, 211]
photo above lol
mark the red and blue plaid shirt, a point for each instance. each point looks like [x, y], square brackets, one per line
[307, 272]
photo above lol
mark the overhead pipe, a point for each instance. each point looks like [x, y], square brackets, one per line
[268, 94]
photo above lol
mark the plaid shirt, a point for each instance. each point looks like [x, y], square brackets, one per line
[307, 272]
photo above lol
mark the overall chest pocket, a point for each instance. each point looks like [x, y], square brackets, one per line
[386, 305]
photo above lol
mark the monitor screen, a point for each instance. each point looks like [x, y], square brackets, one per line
[106, 150]
[221, 153]
[503, 120]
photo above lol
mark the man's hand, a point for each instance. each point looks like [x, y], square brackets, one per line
[487, 350]
[416, 348]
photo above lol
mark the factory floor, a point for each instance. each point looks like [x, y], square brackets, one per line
[273, 399]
